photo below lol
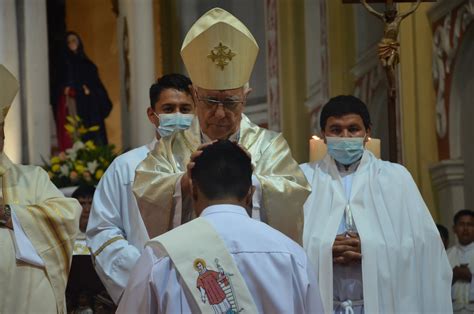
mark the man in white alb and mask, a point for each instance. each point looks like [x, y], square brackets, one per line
[461, 257]
[367, 229]
[224, 261]
[116, 233]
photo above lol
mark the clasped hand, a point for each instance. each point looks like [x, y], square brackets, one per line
[346, 249]
[462, 273]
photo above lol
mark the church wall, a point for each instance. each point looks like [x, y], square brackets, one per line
[419, 142]
[295, 116]
[95, 22]
[342, 48]
[462, 113]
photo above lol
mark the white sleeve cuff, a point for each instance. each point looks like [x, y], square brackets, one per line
[25, 250]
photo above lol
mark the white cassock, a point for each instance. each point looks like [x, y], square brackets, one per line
[462, 292]
[116, 233]
[275, 269]
[404, 265]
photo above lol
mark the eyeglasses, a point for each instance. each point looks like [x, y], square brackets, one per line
[228, 104]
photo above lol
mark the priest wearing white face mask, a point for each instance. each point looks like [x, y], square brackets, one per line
[367, 230]
[115, 233]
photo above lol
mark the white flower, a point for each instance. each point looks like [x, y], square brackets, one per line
[78, 145]
[92, 166]
[64, 171]
[72, 152]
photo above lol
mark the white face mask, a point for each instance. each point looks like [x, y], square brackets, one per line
[346, 150]
[170, 122]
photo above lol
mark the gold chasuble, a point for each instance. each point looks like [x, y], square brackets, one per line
[50, 221]
[284, 187]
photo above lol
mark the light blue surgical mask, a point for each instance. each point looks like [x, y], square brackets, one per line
[345, 150]
[170, 122]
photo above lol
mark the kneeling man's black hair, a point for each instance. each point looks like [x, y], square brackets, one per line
[223, 170]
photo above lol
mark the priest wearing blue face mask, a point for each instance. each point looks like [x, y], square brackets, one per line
[116, 233]
[367, 230]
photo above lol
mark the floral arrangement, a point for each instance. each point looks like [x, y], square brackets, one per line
[83, 163]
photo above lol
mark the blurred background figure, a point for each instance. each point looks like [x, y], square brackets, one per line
[85, 293]
[444, 234]
[80, 93]
[461, 258]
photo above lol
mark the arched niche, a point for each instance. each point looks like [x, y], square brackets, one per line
[461, 113]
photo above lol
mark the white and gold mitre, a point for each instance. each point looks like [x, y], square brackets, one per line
[219, 51]
[8, 89]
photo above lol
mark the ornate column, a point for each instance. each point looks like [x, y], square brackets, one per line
[448, 180]
[317, 59]
[273, 65]
[35, 88]
[9, 57]
[449, 20]
[138, 69]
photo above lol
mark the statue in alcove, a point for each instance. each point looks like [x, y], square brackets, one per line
[81, 93]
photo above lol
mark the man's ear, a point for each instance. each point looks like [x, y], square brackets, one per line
[247, 91]
[151, 116]
[323, 136]
[368, 132]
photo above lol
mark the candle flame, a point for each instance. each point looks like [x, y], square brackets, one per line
[316, 137]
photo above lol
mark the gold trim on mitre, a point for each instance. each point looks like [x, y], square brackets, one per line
[219, 51]
[8, 89]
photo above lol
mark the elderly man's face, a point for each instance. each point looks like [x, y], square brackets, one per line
[220, 112]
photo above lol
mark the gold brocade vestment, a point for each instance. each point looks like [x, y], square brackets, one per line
[283, 185]
[50, 221]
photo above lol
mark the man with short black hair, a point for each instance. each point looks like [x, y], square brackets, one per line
[116, 233]
[224, 261]
[461, 258]
[367, 230]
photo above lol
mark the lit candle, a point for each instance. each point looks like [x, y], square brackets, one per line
[373, 144]
[317, 149]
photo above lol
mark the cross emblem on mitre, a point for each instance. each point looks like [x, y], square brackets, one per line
[221, 55]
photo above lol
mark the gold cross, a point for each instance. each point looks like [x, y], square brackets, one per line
[221, 55]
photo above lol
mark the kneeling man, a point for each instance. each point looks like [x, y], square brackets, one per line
[223, 261]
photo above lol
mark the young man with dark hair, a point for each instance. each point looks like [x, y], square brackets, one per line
[84, 194]
[224, 261]
[461, 258]
[444, 234]
[366, 229]
[116, 233]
